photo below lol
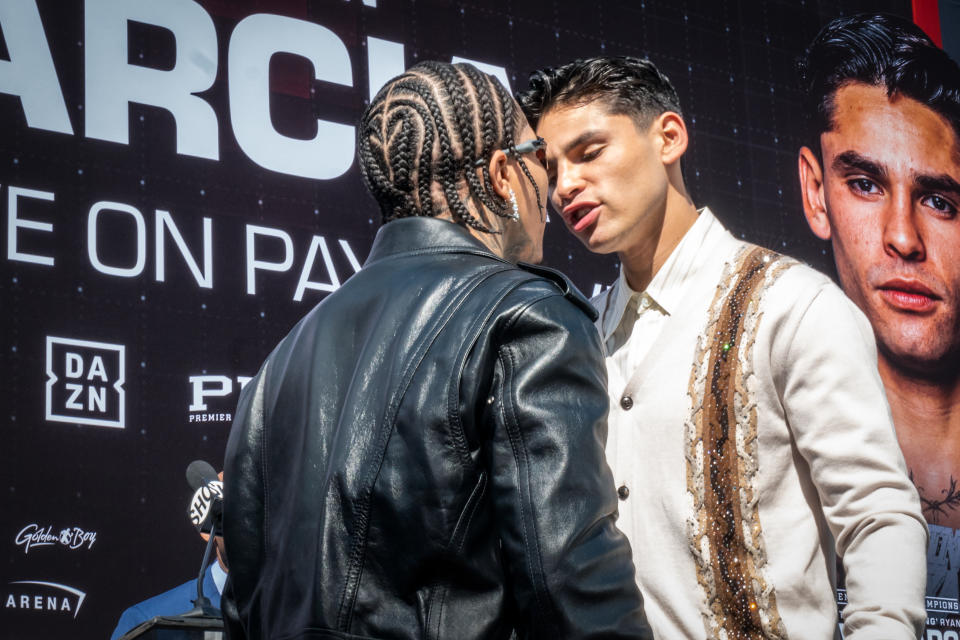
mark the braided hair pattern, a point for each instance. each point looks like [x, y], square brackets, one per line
[505, 99]
[429, 127]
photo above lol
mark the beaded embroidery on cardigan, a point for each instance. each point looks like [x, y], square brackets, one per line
[721, 450]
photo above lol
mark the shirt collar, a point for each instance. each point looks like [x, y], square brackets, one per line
[667, 288]
[219, 575]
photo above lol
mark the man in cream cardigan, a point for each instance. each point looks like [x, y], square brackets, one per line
[750, 438]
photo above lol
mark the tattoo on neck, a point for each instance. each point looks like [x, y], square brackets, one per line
[935, 508]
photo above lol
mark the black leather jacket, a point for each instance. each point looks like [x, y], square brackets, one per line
[422, 457]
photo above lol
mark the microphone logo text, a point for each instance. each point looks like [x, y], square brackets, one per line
[203, 500]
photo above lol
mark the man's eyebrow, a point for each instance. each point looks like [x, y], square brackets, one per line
[853, 160]
[586, 136]
[942, 182]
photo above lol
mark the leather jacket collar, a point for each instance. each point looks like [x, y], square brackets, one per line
[425, 235]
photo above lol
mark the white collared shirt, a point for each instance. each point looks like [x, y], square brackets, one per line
[219, 576]
[828, 472]
[634, 319]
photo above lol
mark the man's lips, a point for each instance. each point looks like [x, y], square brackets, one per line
[580, 215]
[908, 295]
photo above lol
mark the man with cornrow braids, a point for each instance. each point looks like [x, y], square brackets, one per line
[422, 456]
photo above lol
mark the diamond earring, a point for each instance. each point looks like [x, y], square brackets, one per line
[513, 203]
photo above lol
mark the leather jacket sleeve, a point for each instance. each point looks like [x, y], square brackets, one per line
[232, 628]
[570, 567]
[244, 505]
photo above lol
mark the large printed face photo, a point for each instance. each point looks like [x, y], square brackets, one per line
[880, 181]
[887, 196]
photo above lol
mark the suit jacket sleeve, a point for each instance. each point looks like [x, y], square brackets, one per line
[128, 620]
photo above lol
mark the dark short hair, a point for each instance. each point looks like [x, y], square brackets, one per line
[878, 50]
[629, 86]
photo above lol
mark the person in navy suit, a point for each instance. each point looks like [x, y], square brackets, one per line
[179, 599]
[175, 601]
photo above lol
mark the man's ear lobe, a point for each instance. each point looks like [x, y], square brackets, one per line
[674, 137]
[498, 174]
[811, 193]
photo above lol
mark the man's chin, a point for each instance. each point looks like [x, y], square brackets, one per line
[922, 357]
[596, 243]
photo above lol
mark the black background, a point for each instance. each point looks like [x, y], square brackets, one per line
[731, 62]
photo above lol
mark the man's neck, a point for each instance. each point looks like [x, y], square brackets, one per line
[642, 261]
[922, 408]
[927, 418]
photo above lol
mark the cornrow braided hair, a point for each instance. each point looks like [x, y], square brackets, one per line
[490, 132]
[507, 99]
[430, 126]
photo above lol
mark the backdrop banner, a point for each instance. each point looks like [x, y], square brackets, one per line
[179, 186]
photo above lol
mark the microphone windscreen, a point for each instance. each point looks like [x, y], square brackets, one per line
[200, 473]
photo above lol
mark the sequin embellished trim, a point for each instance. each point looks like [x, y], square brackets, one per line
[721, 450]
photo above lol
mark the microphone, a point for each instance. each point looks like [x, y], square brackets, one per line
[206, 513]
[200, 472]
[206, 506]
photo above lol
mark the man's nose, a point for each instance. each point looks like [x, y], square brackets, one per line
[901, 235]
[569, 184]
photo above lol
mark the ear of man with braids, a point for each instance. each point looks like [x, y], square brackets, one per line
[432, 143]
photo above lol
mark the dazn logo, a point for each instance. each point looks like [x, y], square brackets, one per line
[85, 382]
